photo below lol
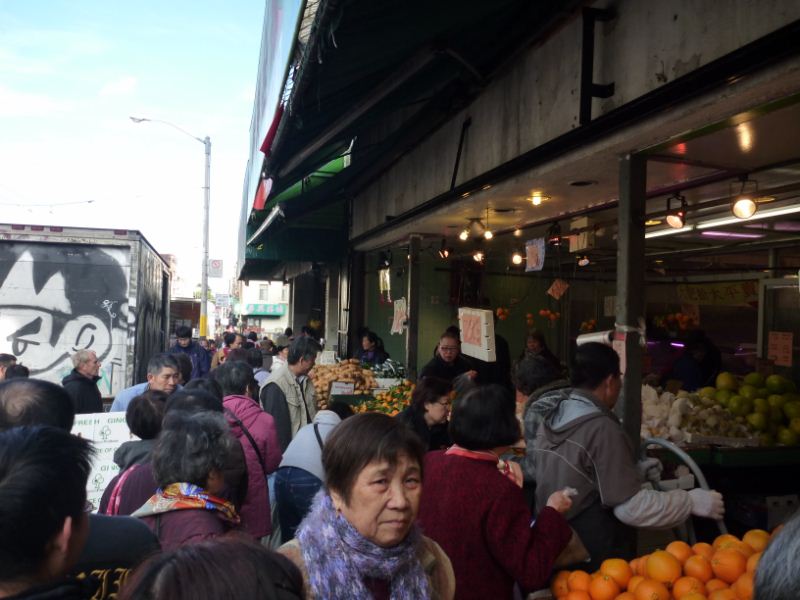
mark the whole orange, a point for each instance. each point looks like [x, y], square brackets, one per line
[752, 562]
[663, 567]
[603, 587]
[634, 581]
[728, 564]
[757, 539]
[680, 550]
[618, 570]
[699, 567]
[559, 586]
[649, 589]
[721, 539]
[744, 587]
[703, 549]
[686, 585]
[715, 584]
[578, 581]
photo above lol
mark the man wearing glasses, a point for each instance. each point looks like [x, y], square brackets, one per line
[448, 364]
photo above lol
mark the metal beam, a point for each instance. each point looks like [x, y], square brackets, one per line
[413, 308]
[630, 283]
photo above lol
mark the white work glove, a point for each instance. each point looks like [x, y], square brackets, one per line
[707, 503]
[649, 469]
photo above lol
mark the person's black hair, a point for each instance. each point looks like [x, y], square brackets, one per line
[778, 573]
[17, 371]
[190, 447]
[361, 332]
[252, 336]
[302, 348]
[206, 384]
[592, 364]
[234, 377]
[533, 372]
[35, 402]
[184, 365]
[427, 391]
[362, 439]
[192, 400]
[162, 360]
[237, 354]
[288, 332]
[145, 414]
[183, 331]
[7, 359]
[453, 332]
[484, 418]
[218, 568]
[43, 475]
[254, 358]
[229, 338]
[342, 409]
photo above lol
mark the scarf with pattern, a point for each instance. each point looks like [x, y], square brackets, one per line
[185, 496]
[338, 558]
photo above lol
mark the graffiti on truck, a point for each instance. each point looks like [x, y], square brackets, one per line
[56, 299]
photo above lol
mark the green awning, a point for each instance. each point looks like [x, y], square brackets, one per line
[264, 310]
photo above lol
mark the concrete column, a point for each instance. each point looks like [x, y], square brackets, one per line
[332, 307]
[630, 289]
[413, 304]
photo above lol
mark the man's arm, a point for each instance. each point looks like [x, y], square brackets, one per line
[274, 402]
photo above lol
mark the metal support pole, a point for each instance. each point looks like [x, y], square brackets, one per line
[206, 205]
[630, 289]
[412, 304]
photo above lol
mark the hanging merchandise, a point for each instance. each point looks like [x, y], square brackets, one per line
[558, 288]
[534, 254]
[385, 284]
[400, 316]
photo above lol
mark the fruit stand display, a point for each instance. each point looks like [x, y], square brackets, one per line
[391, 401]
[347, 371]
[724, 570]
[749, 411]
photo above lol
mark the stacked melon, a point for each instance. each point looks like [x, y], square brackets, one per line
[722, 571]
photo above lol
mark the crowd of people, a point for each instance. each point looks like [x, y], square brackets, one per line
[238, 486]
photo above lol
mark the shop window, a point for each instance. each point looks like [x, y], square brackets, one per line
[263, 292]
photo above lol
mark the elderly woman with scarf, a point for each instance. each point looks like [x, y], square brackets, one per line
[188, 462]
[360, 539]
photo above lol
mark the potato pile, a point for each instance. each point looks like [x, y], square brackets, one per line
[348, 371]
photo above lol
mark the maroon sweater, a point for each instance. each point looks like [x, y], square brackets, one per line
[481, 521]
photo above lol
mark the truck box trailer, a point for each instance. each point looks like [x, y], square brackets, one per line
[63, 289]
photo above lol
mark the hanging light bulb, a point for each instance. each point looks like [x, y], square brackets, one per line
[516, 258]
[478, 256]
[518, 232]
[444, 251]
[488, 234]
[743, 204]
[583, 261]
[676, 217]
[464, 235]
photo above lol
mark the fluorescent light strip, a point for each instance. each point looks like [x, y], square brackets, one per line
[665, 232]
[766, 214]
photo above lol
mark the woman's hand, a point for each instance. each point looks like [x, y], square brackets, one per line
[560, 500]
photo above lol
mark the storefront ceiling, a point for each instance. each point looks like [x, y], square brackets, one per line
[763, 143]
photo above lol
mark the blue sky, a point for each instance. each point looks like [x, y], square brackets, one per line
[71, 72]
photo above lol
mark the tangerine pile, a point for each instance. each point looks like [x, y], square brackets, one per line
[724, 570]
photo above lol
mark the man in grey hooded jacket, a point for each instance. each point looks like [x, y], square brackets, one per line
[581, 444]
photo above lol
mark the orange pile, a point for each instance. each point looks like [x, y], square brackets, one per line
[724, 570]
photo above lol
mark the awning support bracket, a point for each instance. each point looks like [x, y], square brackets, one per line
[589, 89]
[464, 126]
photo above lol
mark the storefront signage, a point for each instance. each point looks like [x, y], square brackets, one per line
[108, 431]
[736, 293]
[779, 348]
[477, 333]
[269, 310]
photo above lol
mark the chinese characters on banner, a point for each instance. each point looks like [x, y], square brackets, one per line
[400, 316]
[477, 333]
[735, 293]
[558, 288]
[534, 254]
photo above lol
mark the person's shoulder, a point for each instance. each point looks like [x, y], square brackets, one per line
[438, 568]
[116, 542]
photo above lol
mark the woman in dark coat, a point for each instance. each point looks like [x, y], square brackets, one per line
[428, 413]
[535, 345]
[372, 351]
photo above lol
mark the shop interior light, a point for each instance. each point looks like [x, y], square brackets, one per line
[537, 198]
[464, 235]
[444, 251]
[478, 256]
[488, 234]
[385, 259]
[743, 202]
[518, 232]
[517, 258]
[763, 214]
[583, 261]
[676, 217]
[554, 235]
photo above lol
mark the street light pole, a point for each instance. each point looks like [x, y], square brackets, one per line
[206, 206]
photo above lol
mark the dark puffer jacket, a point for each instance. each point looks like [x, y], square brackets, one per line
[83, 392]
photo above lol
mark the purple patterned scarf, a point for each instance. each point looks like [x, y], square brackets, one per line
[338, 558]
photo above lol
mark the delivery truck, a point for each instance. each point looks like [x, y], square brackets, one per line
[63, 289]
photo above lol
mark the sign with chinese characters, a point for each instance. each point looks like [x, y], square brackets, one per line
[268, 310]
[534, 254]
[326, 357]
[779, 348]
[477, 333]
[734, 293]
[108, 431]
[342, 388]
[558, 289]
[222, 300]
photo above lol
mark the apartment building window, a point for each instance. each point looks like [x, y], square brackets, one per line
[263, 292]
